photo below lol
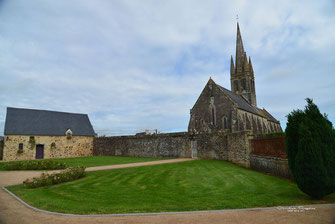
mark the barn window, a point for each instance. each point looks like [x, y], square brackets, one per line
[68, 133]
[21, 146]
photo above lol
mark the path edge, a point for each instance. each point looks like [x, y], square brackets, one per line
[157, 213]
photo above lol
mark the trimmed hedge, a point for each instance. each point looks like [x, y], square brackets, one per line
[70, 174]
[35, 165]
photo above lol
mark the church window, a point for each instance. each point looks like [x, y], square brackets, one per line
[236, 85]
[243, 82]
[225, 123]
[213, 115]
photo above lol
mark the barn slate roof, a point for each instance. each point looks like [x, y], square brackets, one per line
[244, 105]
[21, 121]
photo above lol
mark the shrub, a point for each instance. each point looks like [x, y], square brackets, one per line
[311, 150]
[35, 165]
[311, 174]
[69, 174]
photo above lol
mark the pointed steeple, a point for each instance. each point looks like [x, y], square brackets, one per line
[242, 74]
[239, 51]
[250, 64]
[245, 65]
[232, 67]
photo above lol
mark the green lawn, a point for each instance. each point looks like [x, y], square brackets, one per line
[92, 161]
[193, 185]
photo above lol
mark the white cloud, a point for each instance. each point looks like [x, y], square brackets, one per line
[133, 65]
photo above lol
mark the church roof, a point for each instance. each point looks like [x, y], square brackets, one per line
[268, 115]
[42, 122]
[244, 105]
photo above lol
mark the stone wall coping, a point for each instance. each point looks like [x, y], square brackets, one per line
[268, 137]
[172, 134]
[267, 157]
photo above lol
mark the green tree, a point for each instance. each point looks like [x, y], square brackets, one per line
[310, 144]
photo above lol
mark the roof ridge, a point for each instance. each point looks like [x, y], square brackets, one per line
[53, 111]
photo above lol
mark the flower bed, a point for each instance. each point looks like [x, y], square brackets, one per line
[70, 174]
[35, 165]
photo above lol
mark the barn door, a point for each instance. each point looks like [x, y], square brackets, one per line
[194, 149]
[39, 151]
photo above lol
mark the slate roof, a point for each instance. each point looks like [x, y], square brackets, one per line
[244, 105]
[42, 122]
[269, 116]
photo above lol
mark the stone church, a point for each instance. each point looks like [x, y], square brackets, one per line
[218, 108]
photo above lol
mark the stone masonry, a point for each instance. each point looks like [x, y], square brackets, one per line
[233, 147]
[63, 147]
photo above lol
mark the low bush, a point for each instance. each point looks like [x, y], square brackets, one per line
[35, 165]
[69, 174]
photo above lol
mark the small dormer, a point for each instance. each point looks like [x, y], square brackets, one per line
[68, 133]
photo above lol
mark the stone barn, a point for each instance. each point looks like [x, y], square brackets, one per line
[38, 134]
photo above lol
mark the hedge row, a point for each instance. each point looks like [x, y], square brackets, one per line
[35, 165]
[46, 179]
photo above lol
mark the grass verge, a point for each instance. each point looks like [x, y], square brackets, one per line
[92, 161]
[186, 186]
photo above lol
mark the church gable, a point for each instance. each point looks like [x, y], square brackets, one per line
[212, 110]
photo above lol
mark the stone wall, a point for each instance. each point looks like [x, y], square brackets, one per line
[272, 165]
[1, 149]
[155, 146]
[233, 147]
[75, 147]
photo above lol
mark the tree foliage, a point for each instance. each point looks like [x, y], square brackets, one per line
[310, 142]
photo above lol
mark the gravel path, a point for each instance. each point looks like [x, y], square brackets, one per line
[11, 211]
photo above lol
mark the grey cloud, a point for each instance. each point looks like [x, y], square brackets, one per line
[133, 65]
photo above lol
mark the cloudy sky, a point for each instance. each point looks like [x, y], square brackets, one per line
[141, 64]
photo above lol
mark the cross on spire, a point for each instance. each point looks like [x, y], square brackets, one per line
[237, 17]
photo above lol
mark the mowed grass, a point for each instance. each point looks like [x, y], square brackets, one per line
[92, 161]
[186, 186]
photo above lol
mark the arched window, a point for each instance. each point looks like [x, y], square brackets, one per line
[212, 114]
[236, 85]
[225, 123]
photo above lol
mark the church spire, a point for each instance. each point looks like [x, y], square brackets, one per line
[239, 51]
[232, 67]
[242, 79]
[251, 68]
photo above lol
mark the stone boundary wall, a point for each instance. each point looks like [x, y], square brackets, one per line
[272, 165]
[269, 146]
[234, 147]
[1, 149]
[155, 146]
